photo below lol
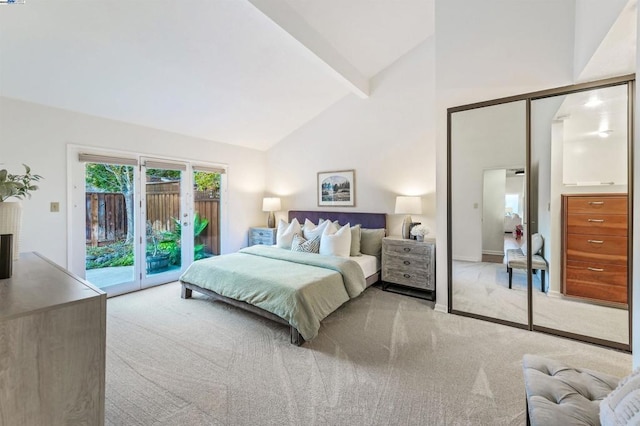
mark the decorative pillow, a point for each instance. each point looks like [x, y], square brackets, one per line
[371, 241]
[536, 244]
[305, 246]
[336, 243]
[285, 233]
[310, 230]
[355, 237]
[622, 405]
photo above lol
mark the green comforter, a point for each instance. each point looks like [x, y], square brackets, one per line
[302, 288]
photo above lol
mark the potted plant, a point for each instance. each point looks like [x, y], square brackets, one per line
[156, 259]
[19, 186]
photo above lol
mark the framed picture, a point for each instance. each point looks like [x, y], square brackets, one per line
[337, 189]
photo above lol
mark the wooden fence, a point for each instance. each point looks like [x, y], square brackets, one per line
[107, 215]
[106, 220]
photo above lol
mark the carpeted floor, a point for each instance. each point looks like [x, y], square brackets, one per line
[483, 288]
[381, 359]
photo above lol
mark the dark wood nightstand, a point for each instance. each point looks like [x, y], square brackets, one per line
[408, 267]
[263, 236]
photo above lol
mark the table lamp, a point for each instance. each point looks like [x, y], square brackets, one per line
[408, 206]
[271, 204]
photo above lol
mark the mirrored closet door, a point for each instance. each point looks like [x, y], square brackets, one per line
[580, 187]
[540, 213]
[488, 157]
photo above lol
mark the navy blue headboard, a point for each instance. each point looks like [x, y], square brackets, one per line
[367, 220]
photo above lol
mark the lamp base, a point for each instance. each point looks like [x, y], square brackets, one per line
[406, 227]
[271, 220]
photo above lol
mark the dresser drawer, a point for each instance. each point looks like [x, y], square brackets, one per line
[601, 204]
[400, 247]
[597, 224]
[397, 261]
[596, 291]
[597, 248]
[409, 277]
[597, 273]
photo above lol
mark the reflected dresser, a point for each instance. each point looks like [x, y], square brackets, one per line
[52, 347]
[595, 247]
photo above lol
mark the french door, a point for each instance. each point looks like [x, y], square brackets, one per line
[145, 220]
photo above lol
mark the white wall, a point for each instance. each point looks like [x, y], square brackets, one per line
[493, 190]
[388, 139]
[593, 20]
[39, 135]
[481, 139]
[487, 50]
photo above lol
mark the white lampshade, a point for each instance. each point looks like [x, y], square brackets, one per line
[271, 204]
[408, 205]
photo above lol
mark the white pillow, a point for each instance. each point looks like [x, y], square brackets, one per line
[285, 233]
[310, 230]
[336, 243]
[536, 244]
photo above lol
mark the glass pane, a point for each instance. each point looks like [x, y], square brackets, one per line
[579, 211]
[109, 190]
[488, 156]
[163, 221]
[206, 221]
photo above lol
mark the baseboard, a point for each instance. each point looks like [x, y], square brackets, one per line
[467, 259]
[493, 252]
[439, 307]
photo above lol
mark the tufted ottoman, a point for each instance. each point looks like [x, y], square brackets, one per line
[561, 395]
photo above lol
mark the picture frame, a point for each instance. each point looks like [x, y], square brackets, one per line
[337, 188]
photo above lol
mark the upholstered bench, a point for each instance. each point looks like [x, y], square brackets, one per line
[517, 259]
[560, 395]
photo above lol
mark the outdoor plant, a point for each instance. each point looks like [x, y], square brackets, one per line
[19, 186]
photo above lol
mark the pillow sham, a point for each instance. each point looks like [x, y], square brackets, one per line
[355, 237]
[285, 233]
[305, 246]
[310, 230]
[336, 242]
[536, 244]
[371, 241]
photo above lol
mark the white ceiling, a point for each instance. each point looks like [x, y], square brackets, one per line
[215, 69]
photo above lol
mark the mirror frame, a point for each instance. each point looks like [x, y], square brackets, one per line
[628, 79]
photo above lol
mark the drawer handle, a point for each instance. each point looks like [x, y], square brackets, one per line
[596, 220]
[406, 262]
[596, 203]
[595, 241]
[595, 269]
[260, 233]
[407, 249]
[407, 276]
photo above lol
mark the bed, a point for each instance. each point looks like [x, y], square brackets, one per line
[292, 288]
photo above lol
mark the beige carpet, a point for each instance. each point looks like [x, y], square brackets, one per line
[483, 288]
[381, 359]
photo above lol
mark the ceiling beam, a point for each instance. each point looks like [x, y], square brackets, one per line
[290, 21]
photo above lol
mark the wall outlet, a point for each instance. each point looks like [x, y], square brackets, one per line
[54, 207]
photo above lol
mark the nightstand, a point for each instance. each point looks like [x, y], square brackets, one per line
[263, 236]
[408, 267]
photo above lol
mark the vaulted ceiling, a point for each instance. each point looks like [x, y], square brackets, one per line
[244, 72]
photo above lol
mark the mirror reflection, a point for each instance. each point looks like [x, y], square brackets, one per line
[488, 154]
[580, 211]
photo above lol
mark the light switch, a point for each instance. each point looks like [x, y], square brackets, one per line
[55, 207]
[475, 205]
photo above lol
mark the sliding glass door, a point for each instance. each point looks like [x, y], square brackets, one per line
[144, 220]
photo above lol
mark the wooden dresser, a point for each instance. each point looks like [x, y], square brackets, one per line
[52, 347]
[408, 267]
[595, 246]
[262, 236]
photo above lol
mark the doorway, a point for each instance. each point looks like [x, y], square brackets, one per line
[145, 219]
